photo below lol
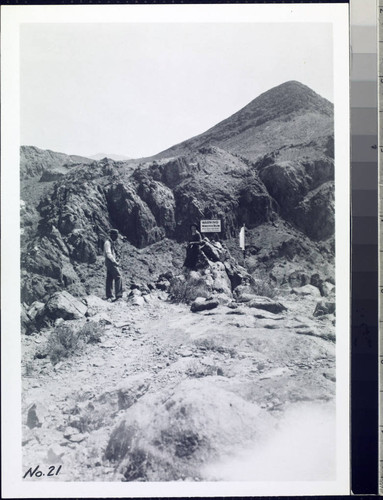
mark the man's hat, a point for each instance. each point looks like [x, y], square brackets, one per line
[113, 231]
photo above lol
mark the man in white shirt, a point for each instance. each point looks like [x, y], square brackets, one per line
[112, 269]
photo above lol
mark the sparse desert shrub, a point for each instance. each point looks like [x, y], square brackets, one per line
[91, 332]
[62, 342]
[215, 346]
[197, 370]
[264, 287]
[261, 284]
[66, 340]
[92, 417]
[187, 291]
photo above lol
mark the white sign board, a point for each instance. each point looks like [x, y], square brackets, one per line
[211, 226]
[242, 238]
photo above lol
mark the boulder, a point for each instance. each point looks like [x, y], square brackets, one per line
[162, 284]
[298, 278]
[243, 289]
[144, 289]
[64, 305]
[94, 305]
[220, 280]
[202, 261]
[137, 300]
[212, 251]
[327, 289]
[168, 275]
[316, 280]
[246, 297]
[36, 414]
[200, 283]
[267, 304]
[35, 308]
[222, 298]
[236, 273]
[306, 291]
[324, 307]
[173, 437]
[102, 318]
[202, 304]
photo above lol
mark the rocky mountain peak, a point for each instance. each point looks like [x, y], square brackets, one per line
[286, 114]
[292, 97]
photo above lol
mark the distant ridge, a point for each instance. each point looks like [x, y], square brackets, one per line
[35, 161]
[112, 156]
[290, 113]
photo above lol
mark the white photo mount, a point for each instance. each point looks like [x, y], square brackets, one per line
[193, 16]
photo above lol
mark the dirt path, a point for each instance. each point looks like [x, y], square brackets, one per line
[273, 362]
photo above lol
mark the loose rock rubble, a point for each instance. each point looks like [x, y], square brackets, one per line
[168, 391]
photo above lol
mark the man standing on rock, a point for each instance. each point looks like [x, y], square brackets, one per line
[193, 248]
[112, 269]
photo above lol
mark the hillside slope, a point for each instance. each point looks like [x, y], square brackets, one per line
[287, 115]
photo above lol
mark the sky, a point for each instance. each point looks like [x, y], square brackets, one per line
[136, 89]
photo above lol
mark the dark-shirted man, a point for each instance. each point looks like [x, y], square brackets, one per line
[193, 247]
[112, 270]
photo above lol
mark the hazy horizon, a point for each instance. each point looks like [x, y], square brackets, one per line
[138, 89]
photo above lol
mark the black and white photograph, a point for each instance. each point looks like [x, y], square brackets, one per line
[180, 296]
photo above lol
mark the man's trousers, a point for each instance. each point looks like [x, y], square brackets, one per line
[113, 274]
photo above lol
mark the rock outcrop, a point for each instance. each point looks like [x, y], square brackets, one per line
[132, 216]
[304, 192]
[315, 214]
[246, 170]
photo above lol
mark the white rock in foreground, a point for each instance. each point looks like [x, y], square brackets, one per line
[64, 305]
